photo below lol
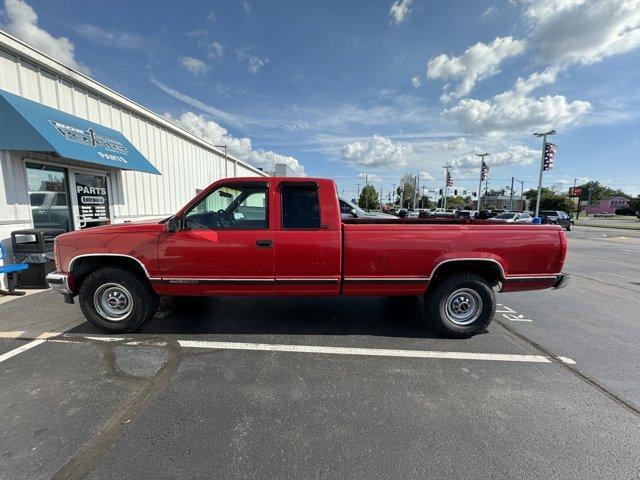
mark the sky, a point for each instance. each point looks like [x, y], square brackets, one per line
[372, 88]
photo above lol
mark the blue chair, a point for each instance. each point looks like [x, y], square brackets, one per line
[9, 269]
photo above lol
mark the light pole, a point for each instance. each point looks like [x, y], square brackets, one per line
[544, 144]
[481, 155]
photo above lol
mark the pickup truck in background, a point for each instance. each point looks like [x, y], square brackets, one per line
[286, 237]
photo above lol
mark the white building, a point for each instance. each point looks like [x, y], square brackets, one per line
[80, 158]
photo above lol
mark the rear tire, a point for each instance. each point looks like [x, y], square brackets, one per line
[461, 305]
[117, 300]
[569, 227]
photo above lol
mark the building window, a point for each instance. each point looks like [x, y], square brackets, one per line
[49, 196]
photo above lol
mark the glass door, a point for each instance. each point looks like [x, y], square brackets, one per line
[49, 196]
[92, 195]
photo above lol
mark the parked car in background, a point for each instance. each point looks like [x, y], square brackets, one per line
[557, 217]
[467, 213]
[513, 217]
[349, 210]
[50, 209]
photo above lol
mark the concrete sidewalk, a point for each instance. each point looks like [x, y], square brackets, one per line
[37, 314]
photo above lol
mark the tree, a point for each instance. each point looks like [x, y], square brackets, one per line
[368, 198]
[496, 193]
[634, 204]
[424, 202]
[599, 192]
[407, 190]
[550, 200]
[454, 202]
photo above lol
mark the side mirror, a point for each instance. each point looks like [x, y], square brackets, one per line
[173, 224]
[354, 213]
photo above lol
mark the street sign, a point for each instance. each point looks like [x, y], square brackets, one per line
[575, 191]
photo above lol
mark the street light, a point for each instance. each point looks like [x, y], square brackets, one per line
[544, 143]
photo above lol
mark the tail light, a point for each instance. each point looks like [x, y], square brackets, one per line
[563, 245]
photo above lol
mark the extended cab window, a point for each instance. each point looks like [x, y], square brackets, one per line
[231, 207]
[300, 206]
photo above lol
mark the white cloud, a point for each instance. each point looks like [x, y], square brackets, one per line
[228, 118]
[242, 148]
[535, 80]
[459, 143]
[254, 63]
[377, 152]
[476, 63]
[426, 176]
[492, 10]
[246, 6]
[195, 66]
[565, 32]
[23, 24]
[216, 50]
[400, 10]
[110, 38]
[513, 111]
[415, 81]
[370, 177]
[211, 17]
[515, 154]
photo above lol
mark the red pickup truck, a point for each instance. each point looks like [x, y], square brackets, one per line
[285, 236]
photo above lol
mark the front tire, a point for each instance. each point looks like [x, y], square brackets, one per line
[461, 305]
[117, 300]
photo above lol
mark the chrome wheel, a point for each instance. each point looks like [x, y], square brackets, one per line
[113, 302]
[463, 306]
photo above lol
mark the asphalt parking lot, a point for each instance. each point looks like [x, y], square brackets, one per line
[334, 388]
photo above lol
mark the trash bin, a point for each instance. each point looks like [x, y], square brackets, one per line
[35, 247]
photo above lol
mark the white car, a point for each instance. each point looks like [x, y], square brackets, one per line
[513, 217]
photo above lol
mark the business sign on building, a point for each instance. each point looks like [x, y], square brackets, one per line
[93, 197]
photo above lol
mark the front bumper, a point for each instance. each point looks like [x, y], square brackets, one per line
[562, 281]
[62, 283]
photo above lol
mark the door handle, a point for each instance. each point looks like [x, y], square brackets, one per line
[264, 243]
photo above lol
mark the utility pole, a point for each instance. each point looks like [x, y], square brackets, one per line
[511, 195]
[366, 197]
[358, 194]
[443, 203]
[521, 191]
[422, 198]
[544, 145]
[393, 193]
[416, 193]
[482, 164]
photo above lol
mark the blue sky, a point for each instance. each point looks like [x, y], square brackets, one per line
[377, 87]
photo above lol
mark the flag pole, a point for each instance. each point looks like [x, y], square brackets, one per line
[481, 155]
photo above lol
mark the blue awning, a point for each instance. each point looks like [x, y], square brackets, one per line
[31, 126]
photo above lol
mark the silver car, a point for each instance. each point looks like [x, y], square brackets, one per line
[513, 217]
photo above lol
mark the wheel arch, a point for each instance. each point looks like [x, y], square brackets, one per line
[488, 268]
[82, 265]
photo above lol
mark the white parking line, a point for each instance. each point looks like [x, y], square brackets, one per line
[23, 348]
[376, 352]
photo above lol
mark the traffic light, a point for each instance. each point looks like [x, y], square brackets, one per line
[440, 191]
[455, 192]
